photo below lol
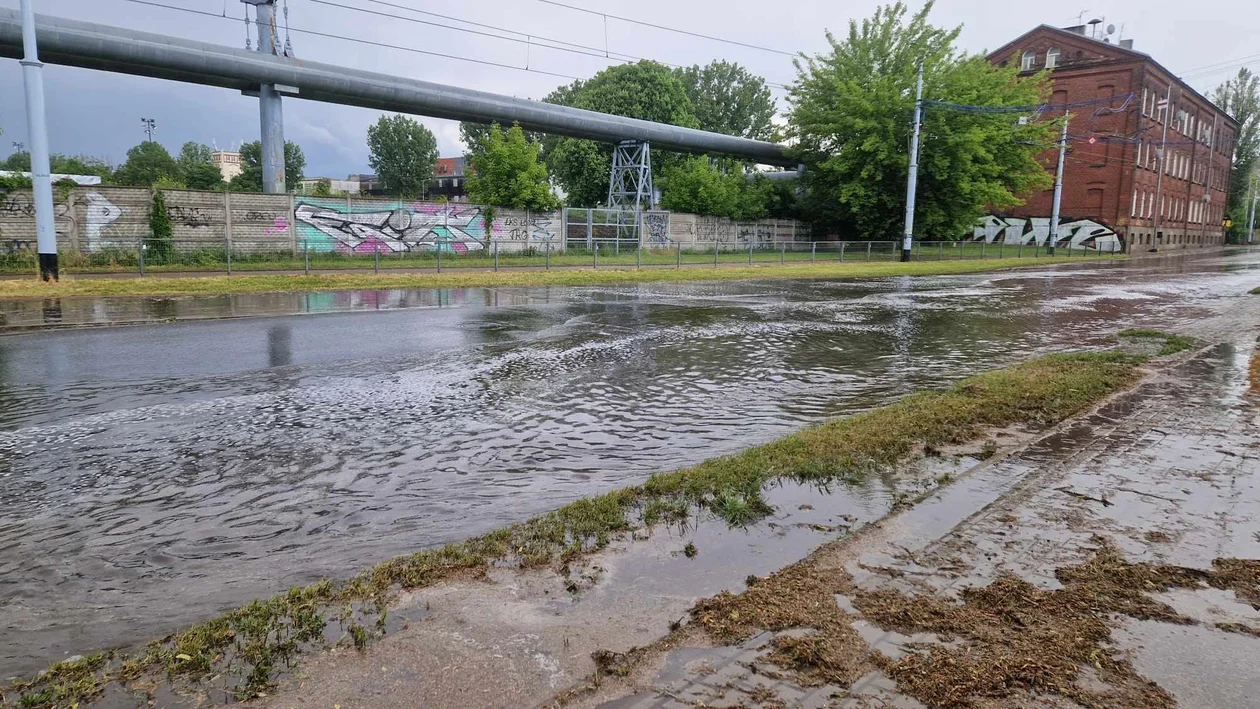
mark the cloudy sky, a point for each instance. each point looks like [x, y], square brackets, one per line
[99, 113]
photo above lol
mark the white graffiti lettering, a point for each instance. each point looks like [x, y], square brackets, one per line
[1077, 234]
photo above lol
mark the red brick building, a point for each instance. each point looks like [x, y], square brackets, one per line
[1112, 166]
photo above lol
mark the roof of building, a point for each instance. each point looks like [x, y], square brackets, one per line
[1115, 49]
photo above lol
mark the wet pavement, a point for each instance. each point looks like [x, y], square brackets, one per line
[1169, 473]
[153, 475]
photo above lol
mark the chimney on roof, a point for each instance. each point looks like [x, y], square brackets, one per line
[1079, 29]
[1126, 43]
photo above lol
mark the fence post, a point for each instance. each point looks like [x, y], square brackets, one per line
[228, 244]
[715, 251]
[595, 256]
[782, 253]
[292, 223]
[843, 244]
[140, 255]
[227, 223]
[1001, 247]
[982, 245]
[590, 227]
[496, 254]
[813, 247]
[376, 258]
[548, 256]
[306, 256]
[438, 245]
[678, 263]
[940, 251]
[868, 251]
[750, 248]
[638, 256]
[1019, 253]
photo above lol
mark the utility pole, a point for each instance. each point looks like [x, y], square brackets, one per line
[1058, 188]
[913, 179]
[1163, 165]
[271, 113]
[1251, 218]
[150, 127]
[37, 131]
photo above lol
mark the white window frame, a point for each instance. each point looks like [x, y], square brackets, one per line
[1052, 57]
[1028, 60]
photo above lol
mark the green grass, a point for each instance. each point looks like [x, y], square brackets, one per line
[1255, 291]
[1172, 343]
[253, 644]
[273, 283]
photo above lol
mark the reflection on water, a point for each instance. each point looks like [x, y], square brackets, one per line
[150, 476]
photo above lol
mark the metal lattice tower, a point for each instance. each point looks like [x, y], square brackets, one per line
[630, 187]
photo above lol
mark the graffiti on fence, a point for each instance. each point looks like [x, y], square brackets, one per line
[526, 226]
[1080, 233]
[279, 226]
[100, 214]
[188, 216]
[18, 204]
[418, 227]
[657, 226]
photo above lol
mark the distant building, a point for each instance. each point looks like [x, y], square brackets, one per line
[1112, 168]
[449, 180]
[229, 163]
[368, 184]
[347, 186]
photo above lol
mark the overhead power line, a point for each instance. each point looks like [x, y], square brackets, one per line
[525, 38]
[328, 35]
[1038, 108]
[671, 29]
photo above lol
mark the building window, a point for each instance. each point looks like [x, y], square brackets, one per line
[1133, 204]
[1029, 61]
[1052, 57]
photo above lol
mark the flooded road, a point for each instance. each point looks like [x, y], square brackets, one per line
[151, 476]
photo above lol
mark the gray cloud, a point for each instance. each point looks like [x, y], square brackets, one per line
[98, 113]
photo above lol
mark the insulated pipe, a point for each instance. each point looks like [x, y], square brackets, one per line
[95, 46]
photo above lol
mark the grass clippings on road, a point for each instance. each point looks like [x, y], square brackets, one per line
[245, 649]
[271, 283]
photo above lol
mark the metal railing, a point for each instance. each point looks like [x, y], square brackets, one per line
[161, 256]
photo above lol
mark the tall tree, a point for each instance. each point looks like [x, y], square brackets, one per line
[728, 99]
[1240, 98]
[250, 179]
[850, 116]
[719, 188]
[473, 134]
[20, 162]
[508, 173]
[196, 168]
[146, 164]
[403, 153]
[645, 90]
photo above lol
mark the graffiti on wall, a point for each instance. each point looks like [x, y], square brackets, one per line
[100, 214]
[527, 226]
[1077, 234]
[419, 227]
[657, 226]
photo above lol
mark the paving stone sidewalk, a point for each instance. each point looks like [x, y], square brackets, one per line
[1170, 473]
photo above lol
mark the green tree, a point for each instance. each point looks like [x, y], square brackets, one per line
[159, 244]
[146, 164]
[474, 134]
[508, 173]
[403, 153]
[1240, 98]
[720, 188]
[850, 118]
[323, 188]
[250, 179]
[645, 90]
[196, 167]
[18, 162]
[729, 99]
[81, 165]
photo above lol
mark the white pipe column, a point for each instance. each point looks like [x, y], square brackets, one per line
[37, 133]
[271, 112]
[912, 180]
[1058, 190]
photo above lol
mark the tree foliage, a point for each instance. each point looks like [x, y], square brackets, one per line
[851, 117]
[403, 153]
[508, 173]
[63, 164]
[1240, 98]
[645, 90]
[728, 99]
[146, 163]
[159, 244]
[250, 179]
[196, 168]
[698, 185]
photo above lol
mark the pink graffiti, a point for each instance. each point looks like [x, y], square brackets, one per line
[279, 226]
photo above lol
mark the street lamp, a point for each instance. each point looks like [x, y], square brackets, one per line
[150, 125]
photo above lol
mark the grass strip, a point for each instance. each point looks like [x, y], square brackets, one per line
[1172, 343]
[250, 645]
[285, 283]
